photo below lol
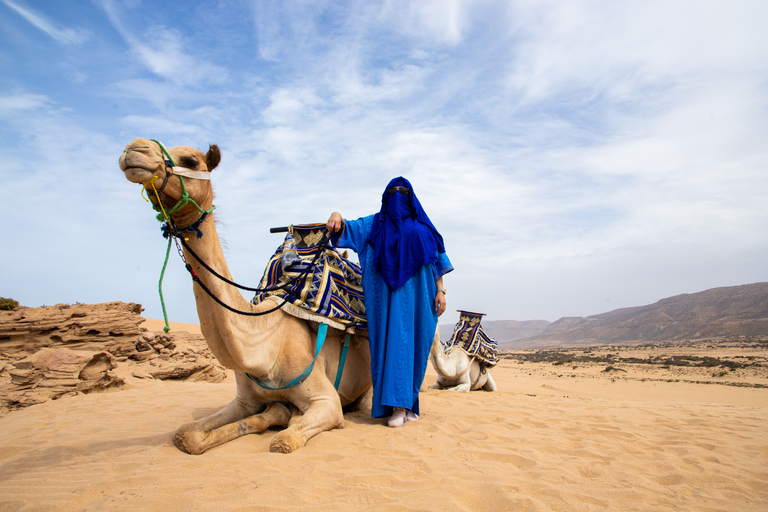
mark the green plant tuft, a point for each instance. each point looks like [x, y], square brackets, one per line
[7, 304]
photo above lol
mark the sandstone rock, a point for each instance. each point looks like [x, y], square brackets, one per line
[51, 373]
[143, 346]
[56, 351]
[70, 326]
[190, 371]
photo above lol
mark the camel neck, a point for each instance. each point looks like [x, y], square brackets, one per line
[231, 338]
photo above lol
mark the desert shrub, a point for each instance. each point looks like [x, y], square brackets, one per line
[7, 304]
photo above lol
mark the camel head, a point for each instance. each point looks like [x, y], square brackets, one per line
[188, 169]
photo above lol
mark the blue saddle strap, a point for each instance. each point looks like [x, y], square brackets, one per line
[321, 332]
[342, 358]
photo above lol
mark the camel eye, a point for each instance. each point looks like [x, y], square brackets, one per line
[189, 162]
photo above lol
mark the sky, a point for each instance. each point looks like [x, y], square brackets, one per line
[577, 157]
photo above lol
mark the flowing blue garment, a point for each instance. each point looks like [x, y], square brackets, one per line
[401, 323]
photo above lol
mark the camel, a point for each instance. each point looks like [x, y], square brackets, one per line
[273, 348]
[457, 370]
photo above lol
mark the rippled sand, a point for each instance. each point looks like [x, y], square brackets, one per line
[552, 438]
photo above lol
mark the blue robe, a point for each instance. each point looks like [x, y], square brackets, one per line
[401, 323]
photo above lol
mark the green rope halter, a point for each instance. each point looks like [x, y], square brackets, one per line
[184, 201]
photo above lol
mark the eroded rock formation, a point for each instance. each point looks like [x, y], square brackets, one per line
[54, 351]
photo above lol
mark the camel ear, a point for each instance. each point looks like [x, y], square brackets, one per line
[213, 157]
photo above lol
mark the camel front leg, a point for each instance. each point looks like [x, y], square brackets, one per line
[191, 436]
[464, 384]
[437, 384]
[490, 384]
[321, 412]
[275, 415]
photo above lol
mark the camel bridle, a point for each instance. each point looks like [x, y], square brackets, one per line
[171, 169]
[172, 233]
[175, 234]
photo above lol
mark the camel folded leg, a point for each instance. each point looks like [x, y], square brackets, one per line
[464, 384]
[198, 437]
[321, 412]
[490, 384]
[362, 403]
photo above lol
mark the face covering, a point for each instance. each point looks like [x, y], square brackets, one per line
[403, 238]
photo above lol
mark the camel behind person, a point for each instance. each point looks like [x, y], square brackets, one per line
[457, 370]
[464, 363]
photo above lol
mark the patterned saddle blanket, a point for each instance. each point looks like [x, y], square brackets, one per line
[469, 336]
[332, 291]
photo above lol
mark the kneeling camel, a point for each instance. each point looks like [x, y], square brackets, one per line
[457, 370]
[272, 348]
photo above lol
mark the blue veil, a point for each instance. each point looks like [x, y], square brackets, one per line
[402, 236]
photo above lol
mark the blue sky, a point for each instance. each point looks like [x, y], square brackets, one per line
[578, 157]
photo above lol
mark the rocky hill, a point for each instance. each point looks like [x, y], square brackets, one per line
[504, 331]
[719, 312]
[511, 330]
[54, 351]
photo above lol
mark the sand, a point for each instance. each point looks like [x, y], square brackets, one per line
[154, 325]
[554, 437]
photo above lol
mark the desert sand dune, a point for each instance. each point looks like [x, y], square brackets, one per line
[545, 441]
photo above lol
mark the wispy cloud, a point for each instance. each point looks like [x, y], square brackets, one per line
[62, 35]
[441, 21]
[161, 50]
[15, 103]
[164, 54]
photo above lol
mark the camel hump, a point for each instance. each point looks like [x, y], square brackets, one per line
[469, 335]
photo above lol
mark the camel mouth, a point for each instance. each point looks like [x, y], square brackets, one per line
[138, 165]
[138, 174]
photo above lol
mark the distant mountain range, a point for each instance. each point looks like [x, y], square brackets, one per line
[734, 310]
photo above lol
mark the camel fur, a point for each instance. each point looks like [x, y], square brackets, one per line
[274, 348]
[457, 370]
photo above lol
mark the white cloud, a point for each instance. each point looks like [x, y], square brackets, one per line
[624, 49]
[440, 20]
[18, 102]
[61, 35]
[290, 106]
[162, 51]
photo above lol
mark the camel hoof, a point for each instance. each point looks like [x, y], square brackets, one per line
[286, 442]
[189, 441]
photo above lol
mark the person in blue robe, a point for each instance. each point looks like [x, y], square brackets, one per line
[403, 259]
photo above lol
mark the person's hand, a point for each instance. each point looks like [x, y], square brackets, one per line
[440, 304]
[335, 223]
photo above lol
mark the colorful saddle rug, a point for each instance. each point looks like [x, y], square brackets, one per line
[469, 336]
[332, 291]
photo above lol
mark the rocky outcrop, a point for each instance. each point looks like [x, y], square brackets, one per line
[54, 351]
